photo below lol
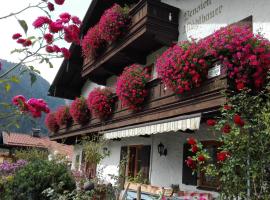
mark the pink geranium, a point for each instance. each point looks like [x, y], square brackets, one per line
[113, 23]
[130, 86]
[63, 116]
[100, 102]
[40, 21]
[50, 122]
[79, 111]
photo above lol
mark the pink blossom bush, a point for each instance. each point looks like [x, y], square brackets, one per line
[100, 102]
[79, 111]
[183, 66]
[130, 86]
[113, 23]
[33, 106]
[50, 122]
[62, 116]
[245, 55]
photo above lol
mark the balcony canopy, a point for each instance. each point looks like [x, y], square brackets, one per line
[182, 123]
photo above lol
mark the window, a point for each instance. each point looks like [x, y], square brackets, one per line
[137, 161]
[188, 177]
[77, 162]
[206, 181]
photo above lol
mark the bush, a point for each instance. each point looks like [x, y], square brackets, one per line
[29, 182]
[31, 154]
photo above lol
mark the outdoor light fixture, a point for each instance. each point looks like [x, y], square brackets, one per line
[161, 150]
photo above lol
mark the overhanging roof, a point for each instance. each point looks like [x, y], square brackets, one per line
[68, 81]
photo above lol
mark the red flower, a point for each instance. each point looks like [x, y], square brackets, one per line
[51, 123]
[226, 128]
[50, 6]
[55, 27]
[238, 120]
[201, 158]
[100, 102]
[211, 122]
[21, 41]
[40, 21]
[49, 49]
[27, 43]
[227, 107]
[190, 163]
[113, 23]
[76, 20]
[194, 148]
[48, 37]
[56, 49]
[65, 16]
[192, 141]
[222, 156]
[240, 86]
[65, 53]
[79, 111]
[130, 86]
[16, 36]
[63, 116]
[72, 33]
[59, 2]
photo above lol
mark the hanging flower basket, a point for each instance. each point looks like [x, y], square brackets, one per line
[245, 55]
[63, 117]
[130, 87]
[92, 43]
[183, 66]
[79, 111]
[50, 122]
[100, 102]
[114, 23]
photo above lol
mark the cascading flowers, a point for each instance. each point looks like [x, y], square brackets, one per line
[113, 24]
[50, 122]
[100, 102]
[183, 66]
[245, 55]
[62, 116]
[79, 111]
[130, 87]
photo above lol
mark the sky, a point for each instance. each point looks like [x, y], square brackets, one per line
[10, 26]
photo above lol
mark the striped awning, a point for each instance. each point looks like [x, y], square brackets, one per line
[181, 123]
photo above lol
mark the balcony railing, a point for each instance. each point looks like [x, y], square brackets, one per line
[153, 25]
[160, 103]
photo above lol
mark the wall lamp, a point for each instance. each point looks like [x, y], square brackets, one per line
[162, 150]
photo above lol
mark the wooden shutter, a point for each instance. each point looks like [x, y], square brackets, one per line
[187, 177]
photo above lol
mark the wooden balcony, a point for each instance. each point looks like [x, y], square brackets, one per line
[153, 25]
[159, 104]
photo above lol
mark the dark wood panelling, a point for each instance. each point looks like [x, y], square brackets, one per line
[160, 104]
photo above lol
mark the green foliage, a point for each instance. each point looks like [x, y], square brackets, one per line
[31, 154]
[24, 25]
[248, 147]
[29, 182]
[93, 150]
[139, 178]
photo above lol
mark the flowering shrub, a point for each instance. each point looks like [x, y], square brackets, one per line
[63, 116]
[200, 155]
[130, 86]
[183, 66]
[100, 102]
[113, 23]
[92, 43]
[79, 111]
[50, 122]
[7, 168]
[245, 55]
[33, 106]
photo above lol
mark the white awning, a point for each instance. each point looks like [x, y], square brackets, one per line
[182, 123]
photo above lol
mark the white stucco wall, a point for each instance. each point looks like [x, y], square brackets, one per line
[200, 18]
[77, 151]
[164, 170]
